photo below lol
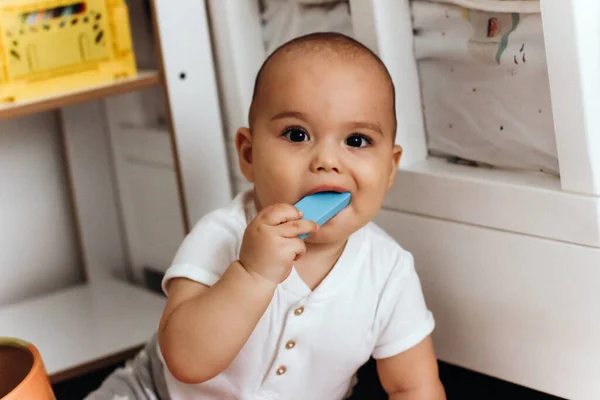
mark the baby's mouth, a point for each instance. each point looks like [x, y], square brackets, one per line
[323, 203]
[327, 188]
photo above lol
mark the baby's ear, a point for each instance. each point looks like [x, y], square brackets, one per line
[243, 144]
[396, 155]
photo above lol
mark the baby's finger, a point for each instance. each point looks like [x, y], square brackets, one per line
[296, 247]
[277, 214]
[296, 228]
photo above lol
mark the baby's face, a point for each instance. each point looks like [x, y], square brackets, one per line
[325, 124]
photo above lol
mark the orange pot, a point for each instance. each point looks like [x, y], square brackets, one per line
[22, 372]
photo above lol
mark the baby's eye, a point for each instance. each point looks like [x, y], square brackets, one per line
[358, 140]
[296, 135]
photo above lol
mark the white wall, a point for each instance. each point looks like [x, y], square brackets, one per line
[38, 248]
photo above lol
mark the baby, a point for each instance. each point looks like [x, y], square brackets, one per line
[253, 311]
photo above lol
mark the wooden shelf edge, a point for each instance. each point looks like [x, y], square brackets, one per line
[95, 365]
[143, 80]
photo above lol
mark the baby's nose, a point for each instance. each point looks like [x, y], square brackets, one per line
[326, 159]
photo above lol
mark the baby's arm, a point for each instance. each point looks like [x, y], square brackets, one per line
[412, 374]
[203, 329]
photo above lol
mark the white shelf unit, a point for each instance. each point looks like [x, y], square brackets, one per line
[84, 327]
[147, 181]
[108, 318]
[505, 258]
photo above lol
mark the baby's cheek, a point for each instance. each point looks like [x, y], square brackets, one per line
[278, 178]
[359, 214]
[371, 199]
[373, 181]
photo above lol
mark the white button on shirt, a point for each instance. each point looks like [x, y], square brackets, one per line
[308, 344]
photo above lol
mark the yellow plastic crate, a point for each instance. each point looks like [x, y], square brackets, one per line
[53, 46]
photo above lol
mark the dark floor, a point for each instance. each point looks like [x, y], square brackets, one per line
[460, 384]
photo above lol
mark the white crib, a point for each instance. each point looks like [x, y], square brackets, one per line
[509, 261]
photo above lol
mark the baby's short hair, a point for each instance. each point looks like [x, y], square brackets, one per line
[322, 42]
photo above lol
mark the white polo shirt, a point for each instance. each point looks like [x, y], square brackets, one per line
[308, 344]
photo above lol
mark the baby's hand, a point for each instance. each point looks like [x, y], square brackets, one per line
[271, 244]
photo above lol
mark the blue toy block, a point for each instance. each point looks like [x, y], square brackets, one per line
[321, 207]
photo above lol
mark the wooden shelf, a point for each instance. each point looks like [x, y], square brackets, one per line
[144, 79]
[86, 327]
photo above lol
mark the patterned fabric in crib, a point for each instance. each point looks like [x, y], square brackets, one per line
[484, 83]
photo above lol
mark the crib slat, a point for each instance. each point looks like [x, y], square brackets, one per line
[386, 28]
[571, 37]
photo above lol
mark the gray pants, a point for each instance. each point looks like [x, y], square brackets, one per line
[141, 379]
